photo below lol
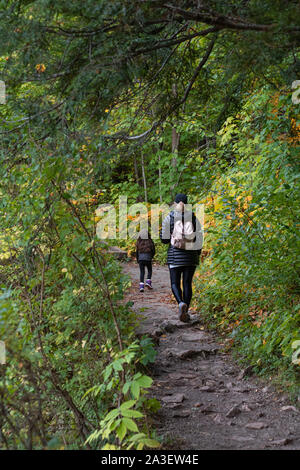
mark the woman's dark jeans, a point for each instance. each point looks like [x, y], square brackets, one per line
[185, 273]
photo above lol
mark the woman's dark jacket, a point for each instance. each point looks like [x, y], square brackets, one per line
[145, 256]
[177, 256]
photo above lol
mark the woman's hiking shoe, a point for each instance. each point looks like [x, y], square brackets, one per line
[183, 315]
[141, 287]
[148, 284]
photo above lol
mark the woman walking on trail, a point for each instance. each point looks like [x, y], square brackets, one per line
[182, 230]
[145, 251]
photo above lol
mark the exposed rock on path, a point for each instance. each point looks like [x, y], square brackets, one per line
[207, 401]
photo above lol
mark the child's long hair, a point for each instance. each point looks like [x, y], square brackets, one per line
[145, 244]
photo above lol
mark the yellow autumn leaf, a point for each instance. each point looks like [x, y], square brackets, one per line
[40, 68]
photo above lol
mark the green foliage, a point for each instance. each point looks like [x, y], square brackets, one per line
[253, 285]
[296, 353]
[118, 428]
[60, 312]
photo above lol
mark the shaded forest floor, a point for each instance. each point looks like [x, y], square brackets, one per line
[207, 400]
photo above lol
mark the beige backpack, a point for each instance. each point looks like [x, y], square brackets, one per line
[183, 234]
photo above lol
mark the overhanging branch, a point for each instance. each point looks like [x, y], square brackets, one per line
[227, 22]
[156, 124]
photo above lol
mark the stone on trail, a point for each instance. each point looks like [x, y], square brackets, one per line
[117, 252]
[191, 337]
[218, 419]
[176, 398]
[181, 414]
[246, 407]
[207, 388]
[183, 375]
[187, 353]
[204, 350]
[281, 442]
[242, 438]
[183, 354]
[170, 352]
[289, 408]
[229, 385]
[247, 371]
[234, 411]
[240, 389]
[207, 409]
[170, 326]
[173, 406]
[256, 425]
[157, 332]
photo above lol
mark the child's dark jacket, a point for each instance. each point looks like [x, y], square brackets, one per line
[145, 256]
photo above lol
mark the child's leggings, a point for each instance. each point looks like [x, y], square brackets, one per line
[142, 269]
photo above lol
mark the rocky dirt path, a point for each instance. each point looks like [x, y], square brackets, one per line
[207, 401]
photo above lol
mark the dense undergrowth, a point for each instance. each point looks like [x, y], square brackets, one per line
[248, 285]
[71, 351]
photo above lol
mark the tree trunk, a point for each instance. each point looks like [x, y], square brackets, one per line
[136, 171]
[159, 173]
[175, 134]
[144, 177]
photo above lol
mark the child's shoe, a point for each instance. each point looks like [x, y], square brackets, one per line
[148, 284]
[141, 287]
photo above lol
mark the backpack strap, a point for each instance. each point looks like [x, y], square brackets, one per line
[171, 222]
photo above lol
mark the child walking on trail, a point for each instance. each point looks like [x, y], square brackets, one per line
[145, 251]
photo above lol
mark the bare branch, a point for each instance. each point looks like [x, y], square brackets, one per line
[210, 17]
